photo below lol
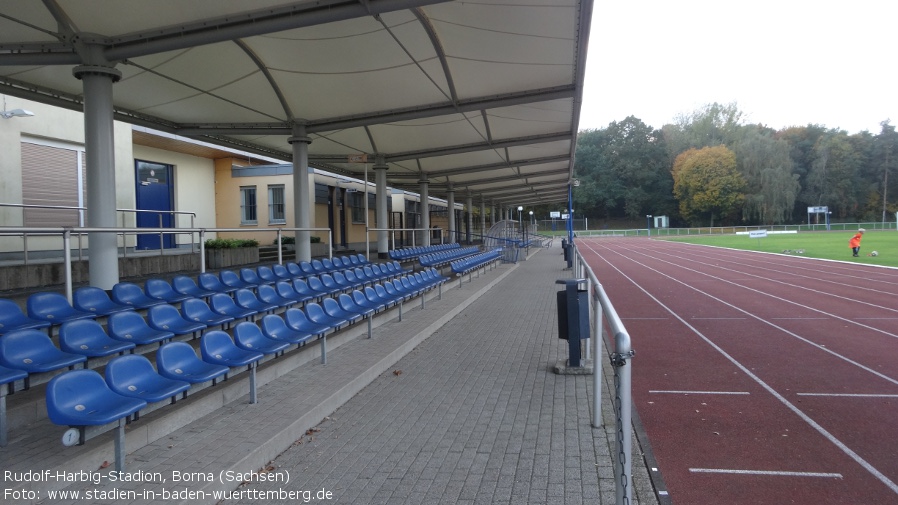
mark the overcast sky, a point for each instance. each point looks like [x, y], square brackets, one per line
[784, 62]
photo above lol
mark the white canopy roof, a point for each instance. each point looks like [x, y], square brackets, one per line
[483, 95]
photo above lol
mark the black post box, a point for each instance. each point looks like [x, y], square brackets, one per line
[573, 317]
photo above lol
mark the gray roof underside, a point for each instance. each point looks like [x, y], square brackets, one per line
[481, 95]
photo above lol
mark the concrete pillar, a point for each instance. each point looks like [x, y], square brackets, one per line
[469, 205]
[380, 207]
[482, 218]
[99, 144]
[450, 203]
[492, 213]
[299, 141]
[425, 211]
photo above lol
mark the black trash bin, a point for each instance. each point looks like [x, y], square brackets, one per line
[573, 317]
[564, 249]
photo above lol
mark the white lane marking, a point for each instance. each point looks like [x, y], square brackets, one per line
[700, 392]
[717, 318]
[806, 418]
[767, 472]
[851, 395]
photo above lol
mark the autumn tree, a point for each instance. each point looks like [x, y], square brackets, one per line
[707, 184]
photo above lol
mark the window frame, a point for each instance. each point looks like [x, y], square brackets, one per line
[244, 206]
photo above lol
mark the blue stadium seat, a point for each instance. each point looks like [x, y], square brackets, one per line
[224, 305]
[216, 347]
[186, 286]
[54, 308]
[275, 328]
[34, 352]
[270, 295]
[88, 338]
[12, 318]
[128, 293]
[252, 278]
[316, 314]
[315, 284]
[96, 301]
[82, 398]
[286, 290]
[196, 310]
[332, 308]
[281, 272]
[134, 376]
[167, 318]
[266, 275]
[296, 271]
[211, 282]
[178, 360]
[162, 290]
[131, 327]
[362, 301]
[232, 280]
[297, 319]
[249, 336]
[246, 299]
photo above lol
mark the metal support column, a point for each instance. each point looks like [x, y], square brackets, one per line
[469, 206]
[380, 206]
[425, 210]
[99, 143]
[301, 204]
[450, 206]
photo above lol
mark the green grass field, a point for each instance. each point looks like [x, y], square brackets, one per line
[826, 245]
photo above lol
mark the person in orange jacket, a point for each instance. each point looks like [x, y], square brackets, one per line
[855, 242]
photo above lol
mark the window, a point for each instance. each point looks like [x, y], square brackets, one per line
[53, 175]
[276, 206]
[358, 206]
[248, 205]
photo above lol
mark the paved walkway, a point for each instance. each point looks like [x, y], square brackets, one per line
[474, 415]
[456, 404]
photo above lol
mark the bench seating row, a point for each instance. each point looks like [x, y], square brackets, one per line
[29, 351]
[412, 253]
[439, 259]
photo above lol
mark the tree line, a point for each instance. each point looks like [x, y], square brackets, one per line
[709, 168]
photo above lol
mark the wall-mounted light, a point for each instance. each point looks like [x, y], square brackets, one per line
[16, 113]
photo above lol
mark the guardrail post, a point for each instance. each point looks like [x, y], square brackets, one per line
[280, 248]
[67, 253]
[623, 374]
[203, 250]
[598, 324]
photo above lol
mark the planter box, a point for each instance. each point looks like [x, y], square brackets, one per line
[224, 258]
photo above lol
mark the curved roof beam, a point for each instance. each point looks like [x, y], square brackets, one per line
[271, 82]
[438, 48]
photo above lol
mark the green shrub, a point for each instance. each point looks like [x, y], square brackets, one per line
[314, 240]
[230, 243]
[285, 239]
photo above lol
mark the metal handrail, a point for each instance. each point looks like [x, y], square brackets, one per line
[66, 232]
[620, 358]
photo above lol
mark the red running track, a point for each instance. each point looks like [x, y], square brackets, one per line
[759, 378]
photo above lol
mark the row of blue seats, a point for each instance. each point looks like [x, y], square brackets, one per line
[472, 263]
[47, 309]
[126, 329]
[82, 398]
[412, 253]
[445, 257]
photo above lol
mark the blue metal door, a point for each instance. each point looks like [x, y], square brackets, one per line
[154, 193]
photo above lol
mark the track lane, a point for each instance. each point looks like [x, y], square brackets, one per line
[711, 318]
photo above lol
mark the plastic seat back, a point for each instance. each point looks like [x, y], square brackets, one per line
[266, 274]
[250, 276]
[12, 318]
[332, 308]
[231, 279]
[132, 327]
[281, 273]
[34, 352]
[87, 337]
[96, 301]
[131, 294]
[211, 282]
[196, 310]
[246, 299]
[217, 347]
[167, 317]
[224, 304]
[186, 286]
[133, 375]
[161, 289]
[178, 360]
[318, 267]
[295, 270]
[53, 307]
[297, 319]
[82, 398]
[249, 336]
[316, 314]
[269, 294]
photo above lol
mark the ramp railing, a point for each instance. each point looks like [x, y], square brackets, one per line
[620, 358]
